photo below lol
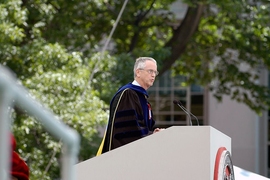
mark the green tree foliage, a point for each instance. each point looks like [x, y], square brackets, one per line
[53, 47]
[230, 49]
[57, 77]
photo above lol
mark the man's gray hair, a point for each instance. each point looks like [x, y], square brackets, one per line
[140, 63]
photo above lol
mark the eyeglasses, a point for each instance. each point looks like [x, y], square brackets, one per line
[150, 71]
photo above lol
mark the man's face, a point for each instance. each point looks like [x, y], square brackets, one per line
[146, 76]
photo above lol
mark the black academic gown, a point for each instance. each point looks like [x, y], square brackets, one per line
[130, 119]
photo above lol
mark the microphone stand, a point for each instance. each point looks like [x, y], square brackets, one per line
[184, 109]
[179, 102]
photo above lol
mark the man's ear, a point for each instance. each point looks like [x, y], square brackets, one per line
[138, 72]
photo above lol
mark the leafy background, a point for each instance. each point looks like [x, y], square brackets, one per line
[54, 48]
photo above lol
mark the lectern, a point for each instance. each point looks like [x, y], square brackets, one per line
[176, 153]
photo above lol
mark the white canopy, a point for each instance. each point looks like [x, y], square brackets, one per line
[241, 174]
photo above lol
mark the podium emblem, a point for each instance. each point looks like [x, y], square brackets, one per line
[223, 165]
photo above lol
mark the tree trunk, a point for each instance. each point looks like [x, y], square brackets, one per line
[182, 35]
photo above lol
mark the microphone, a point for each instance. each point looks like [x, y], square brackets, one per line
[185, 110]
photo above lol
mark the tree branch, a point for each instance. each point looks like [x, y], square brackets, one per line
[137, 22]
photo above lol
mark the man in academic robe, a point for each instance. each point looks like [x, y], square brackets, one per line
[131, 117]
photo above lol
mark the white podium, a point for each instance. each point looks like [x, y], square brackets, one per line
[178, 152]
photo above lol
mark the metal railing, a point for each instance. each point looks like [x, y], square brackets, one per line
[11, 93]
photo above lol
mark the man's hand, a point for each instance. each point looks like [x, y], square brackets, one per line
[158, 130]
